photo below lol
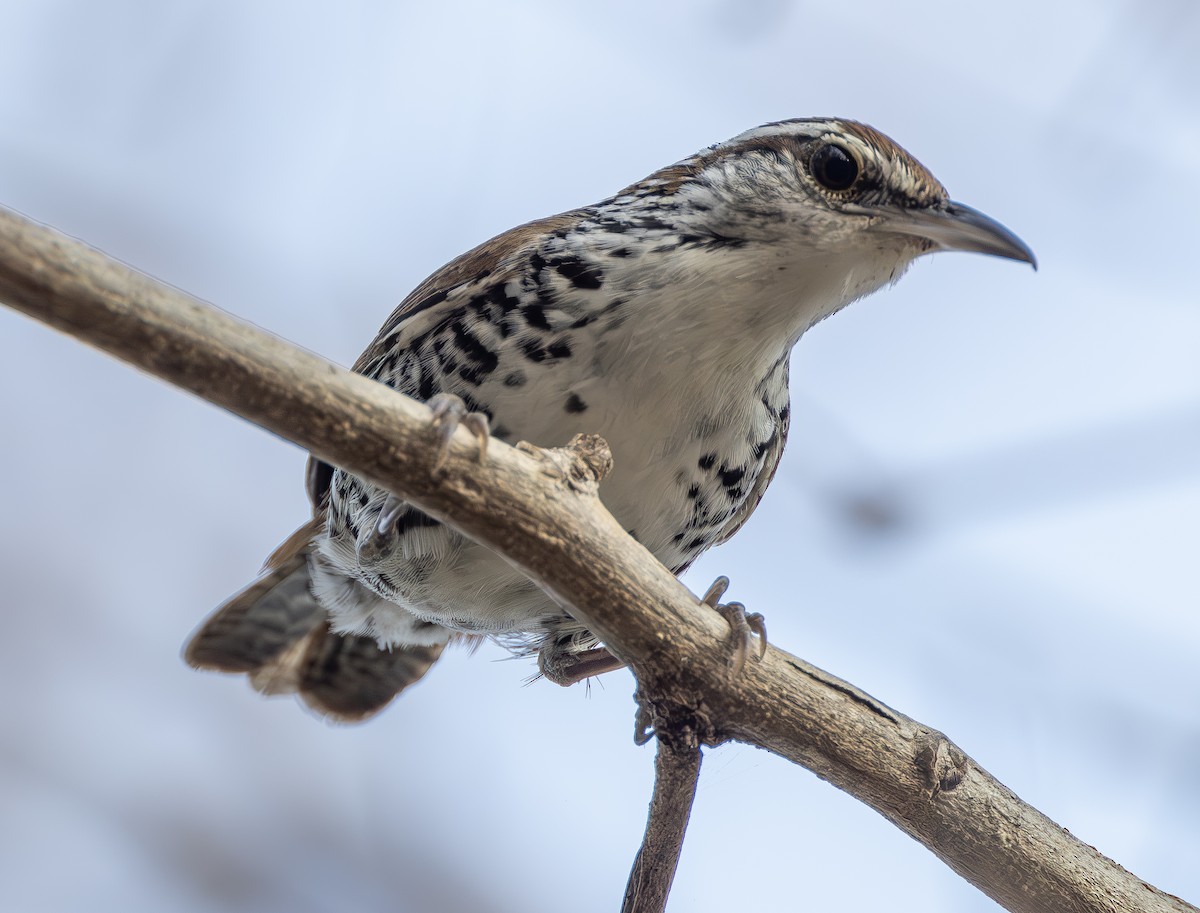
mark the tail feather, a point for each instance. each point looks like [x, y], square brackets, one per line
[277, 632]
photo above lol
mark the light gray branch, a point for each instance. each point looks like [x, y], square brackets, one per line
[542, 513]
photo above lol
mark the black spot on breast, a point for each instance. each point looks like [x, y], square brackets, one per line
[515, 379]
[730, 477]
[496, 295]
[693, 491]
[581, 274]
[574, 404]
[532, 349]
[707, 461]
[536, 352]
[475, 350]
[425, 389]
[535, 316]
[619, 252]
[762, 447]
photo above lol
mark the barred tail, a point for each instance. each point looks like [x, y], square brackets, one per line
[277, 632]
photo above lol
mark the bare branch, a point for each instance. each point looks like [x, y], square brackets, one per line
[676, 771]
[541, 512]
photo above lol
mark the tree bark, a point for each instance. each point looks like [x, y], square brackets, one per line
[676, 772]
[540, 510]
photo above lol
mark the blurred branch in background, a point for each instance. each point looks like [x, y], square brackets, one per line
[1005, 482]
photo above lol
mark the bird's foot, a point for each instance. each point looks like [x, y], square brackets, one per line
[742, 626]
[449, 411]
[563, 666]
[383, 533]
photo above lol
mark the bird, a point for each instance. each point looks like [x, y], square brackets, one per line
[662, 318]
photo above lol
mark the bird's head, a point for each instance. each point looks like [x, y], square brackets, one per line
[829, 186]
[799, 218]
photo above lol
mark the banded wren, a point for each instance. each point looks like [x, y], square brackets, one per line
[662, 318]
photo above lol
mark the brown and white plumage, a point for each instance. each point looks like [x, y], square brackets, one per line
[662, 318]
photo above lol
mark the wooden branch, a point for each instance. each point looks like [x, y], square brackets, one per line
[676, 772]
[542, 513]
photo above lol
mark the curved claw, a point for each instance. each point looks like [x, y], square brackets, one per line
[714, 593]
[742, 626]
[385, 522]
[756, 623]
[477, 424]
[449, 411]
[739, 633]
[383, 531]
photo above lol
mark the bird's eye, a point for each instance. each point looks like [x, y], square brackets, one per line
[833, 168]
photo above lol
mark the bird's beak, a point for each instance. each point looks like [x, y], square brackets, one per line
[958, 227]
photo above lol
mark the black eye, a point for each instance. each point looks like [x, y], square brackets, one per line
[833, 168]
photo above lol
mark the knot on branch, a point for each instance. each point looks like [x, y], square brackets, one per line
[592, 459]
[582, 464]
[941, 764]
[682, 724]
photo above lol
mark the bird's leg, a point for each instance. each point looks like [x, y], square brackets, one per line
[383, 532]
[565, 667]
[742, 625]
[449, 411]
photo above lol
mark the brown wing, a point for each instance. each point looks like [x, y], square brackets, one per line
[758, 489]
[476, 265]
[481, 263]
[276, 631]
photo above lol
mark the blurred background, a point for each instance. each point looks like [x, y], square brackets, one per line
[987, 516]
